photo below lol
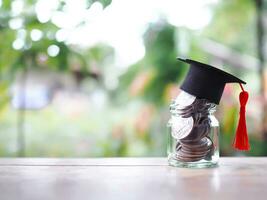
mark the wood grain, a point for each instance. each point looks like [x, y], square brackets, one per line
[130, 178]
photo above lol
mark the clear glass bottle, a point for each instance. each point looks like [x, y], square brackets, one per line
[196, 142]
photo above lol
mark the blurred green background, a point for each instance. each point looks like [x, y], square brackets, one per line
[92, 78]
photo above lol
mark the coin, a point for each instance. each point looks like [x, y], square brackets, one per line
[184, 99]
[181, 127]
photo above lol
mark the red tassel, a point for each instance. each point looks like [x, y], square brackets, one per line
[241, 141]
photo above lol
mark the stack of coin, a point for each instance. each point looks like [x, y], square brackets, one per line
[197, 144]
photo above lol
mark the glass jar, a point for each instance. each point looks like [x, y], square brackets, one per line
[193, 134]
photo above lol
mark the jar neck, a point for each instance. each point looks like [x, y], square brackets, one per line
[212, 108]
[175, 111]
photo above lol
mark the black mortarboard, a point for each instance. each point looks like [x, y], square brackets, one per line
[205, 81]
[208, 82]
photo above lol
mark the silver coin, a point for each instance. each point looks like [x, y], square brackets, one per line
[181, 127]
[184, 99]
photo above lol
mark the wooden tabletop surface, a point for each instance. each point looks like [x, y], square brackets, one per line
[130, 178]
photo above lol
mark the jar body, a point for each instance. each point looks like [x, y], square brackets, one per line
[196, 143]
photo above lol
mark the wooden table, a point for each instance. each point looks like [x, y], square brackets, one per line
[130, 178]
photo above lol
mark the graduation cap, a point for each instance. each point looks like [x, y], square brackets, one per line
[208, 82]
